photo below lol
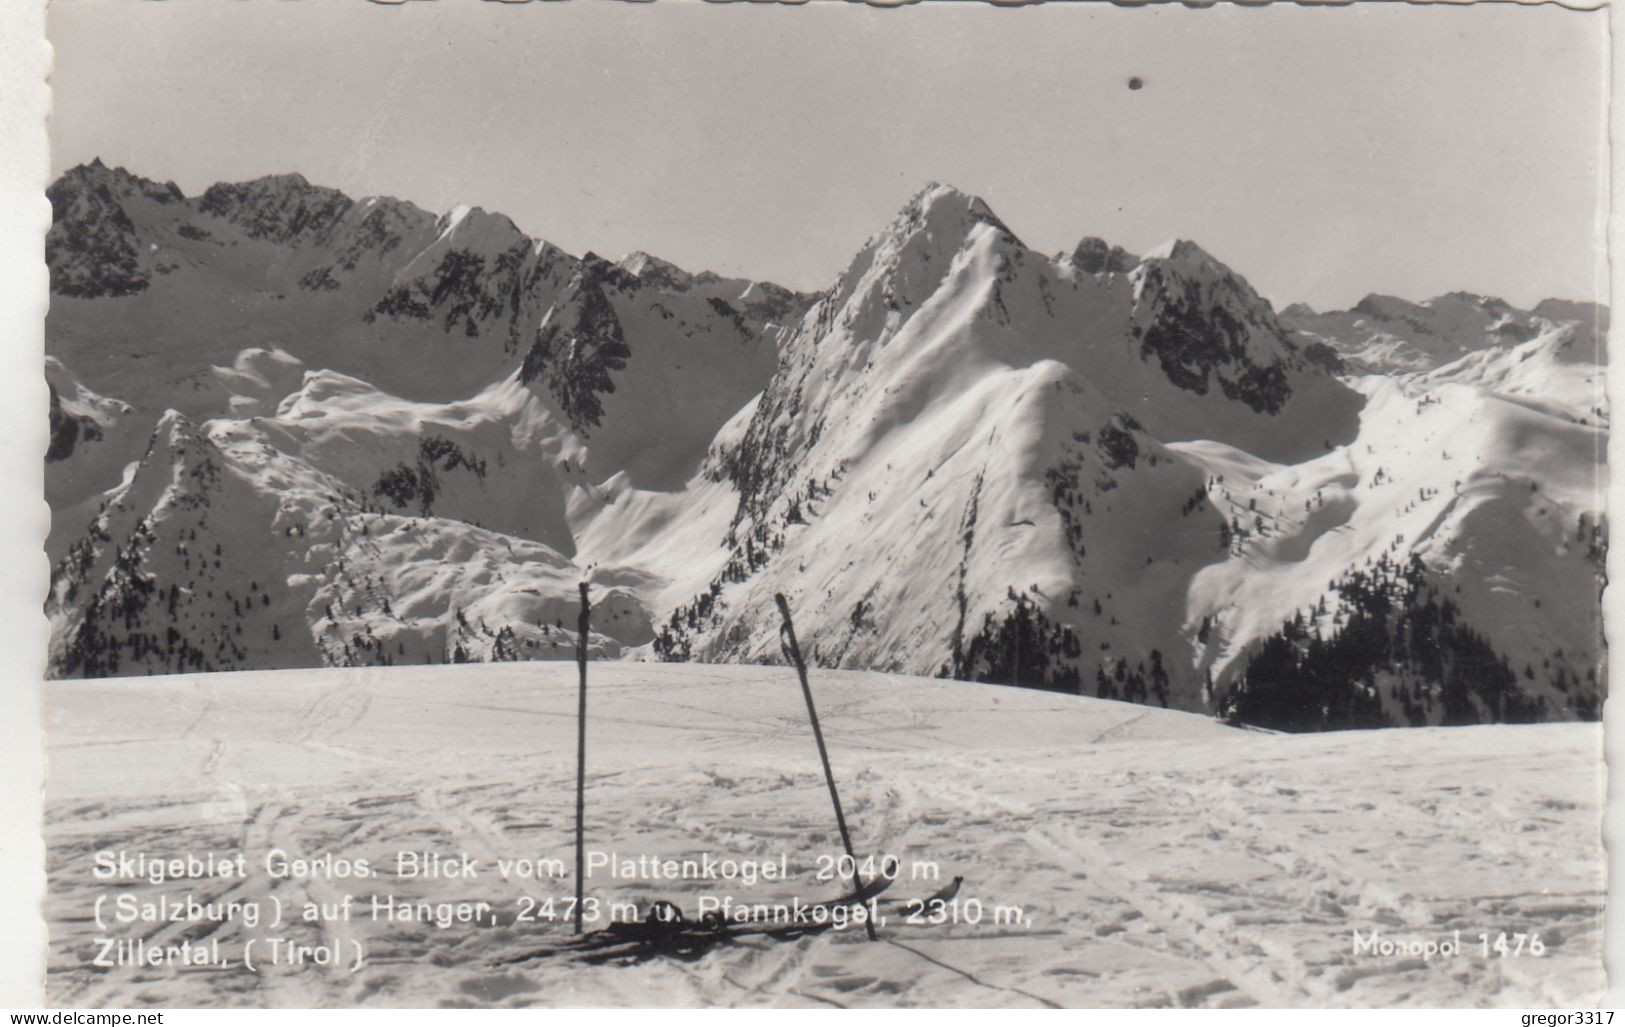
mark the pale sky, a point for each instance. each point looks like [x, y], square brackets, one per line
[1323, 153]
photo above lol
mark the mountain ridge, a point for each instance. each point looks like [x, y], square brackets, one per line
[962, 458]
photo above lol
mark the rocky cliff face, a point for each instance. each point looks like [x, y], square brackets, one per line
[1206, 328]
[92, 248]
[283, 209]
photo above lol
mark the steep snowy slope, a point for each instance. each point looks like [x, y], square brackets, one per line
[230, 546]
[1561, 372]
[89, 447]
[1500, 500]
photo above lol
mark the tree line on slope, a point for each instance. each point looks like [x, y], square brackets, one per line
[1398, 652]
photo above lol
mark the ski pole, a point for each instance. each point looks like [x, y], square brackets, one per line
[823, 753]
[582, 627]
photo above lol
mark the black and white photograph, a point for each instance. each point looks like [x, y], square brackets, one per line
[697, 504]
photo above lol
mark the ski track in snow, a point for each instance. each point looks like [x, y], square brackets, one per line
[1159, 859]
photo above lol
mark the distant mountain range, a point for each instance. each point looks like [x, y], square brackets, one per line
[293, 429]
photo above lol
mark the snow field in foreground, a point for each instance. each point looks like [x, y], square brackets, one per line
[1157, 858]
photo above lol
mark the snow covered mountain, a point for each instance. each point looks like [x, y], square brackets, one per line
[424, 306]
[1385, 333]
[382, 436]
[992, 424]
[490, 362]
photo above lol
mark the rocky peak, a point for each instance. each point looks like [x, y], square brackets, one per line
[1093, 256]
[652, 271]
[580, 344]
[758, 301]
[378, 225]
[945, 215]
[902, 265]
[1387, 308]
[478, 229]
[117, 182]
[1474, 299]
[1185, 267]
[1573, 310]
[1188, 254]
[767, 302]
[1205, 325]
[92, 248]
[278, 208]
[597, 272]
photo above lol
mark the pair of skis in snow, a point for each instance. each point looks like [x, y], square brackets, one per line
[665, 930]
